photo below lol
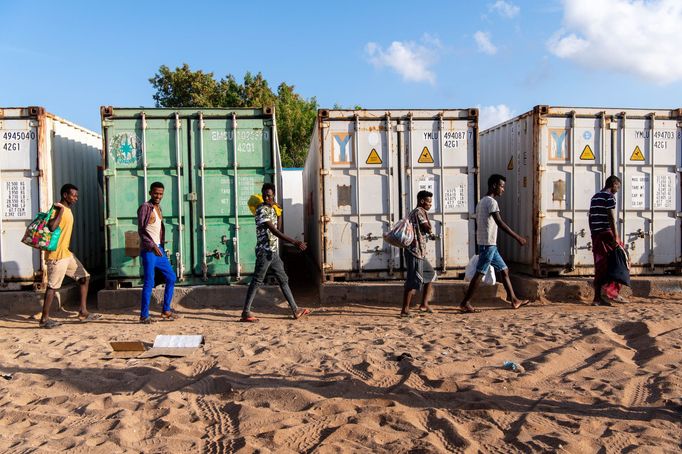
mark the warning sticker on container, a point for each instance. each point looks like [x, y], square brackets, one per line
[638, 190]
[510, 164]
[637, 154]
[373, 157]
[425, 157]
[454, 198]
[17, 194]
[663, 197]
[587, 154]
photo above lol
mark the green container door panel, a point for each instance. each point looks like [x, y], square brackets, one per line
[127, 190]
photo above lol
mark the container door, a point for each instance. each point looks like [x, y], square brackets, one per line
[361, 194]
[439, 157]
[649, 203]
[19, 193]
[136, 157]
[573, 162]
[229, 166]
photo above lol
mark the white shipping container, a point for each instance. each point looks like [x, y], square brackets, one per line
[556, 158]
[363, 173]
[39, 152]
[292, 202]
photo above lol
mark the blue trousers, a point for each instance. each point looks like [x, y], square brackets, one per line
[150, 263]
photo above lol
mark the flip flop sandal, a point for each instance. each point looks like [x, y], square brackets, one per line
[427, 311]
[249, 319]
[173, 316]
[90, 317]
[49, 324]
[467, 311]
[302, 314]
[406, 315]
[146, 321]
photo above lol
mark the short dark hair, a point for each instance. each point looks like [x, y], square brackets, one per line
[421, 195]
[494, 179]
[610, 181]
[267, 186]
[156, 184]
[67, 188]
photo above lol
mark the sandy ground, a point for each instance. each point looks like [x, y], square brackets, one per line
[595, 380]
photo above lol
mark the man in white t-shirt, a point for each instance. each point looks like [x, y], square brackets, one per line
[488, 219]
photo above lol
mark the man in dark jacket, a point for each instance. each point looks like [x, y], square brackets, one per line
[152, 238]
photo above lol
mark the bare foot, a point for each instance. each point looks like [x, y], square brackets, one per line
[517, 303]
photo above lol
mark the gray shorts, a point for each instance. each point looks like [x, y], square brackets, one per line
[419, 272]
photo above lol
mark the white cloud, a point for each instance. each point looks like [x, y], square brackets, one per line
[489, 116]
[411, 60]
[506, 9]
[484, 44]
[639, 37]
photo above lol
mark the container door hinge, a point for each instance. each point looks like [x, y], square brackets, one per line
[542, 121]
[111, 221]
[400, 128]
[192, 197]
[324, 172]
[324, 124]
[679, 214]
[542, 169]
[474, 170]
[108, 172]
[541, 214]
[327, 266]
[37, 173]
[325, 219]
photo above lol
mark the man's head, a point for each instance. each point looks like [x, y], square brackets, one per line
[69, 194]
[612, 184]
[156, 192]
[425, 199]
[496, 184]
[268, 193]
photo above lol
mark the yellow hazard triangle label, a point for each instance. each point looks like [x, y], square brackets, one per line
[425, 157]
[373, 157]
[637, 155]
[510, 166]
[587, 154]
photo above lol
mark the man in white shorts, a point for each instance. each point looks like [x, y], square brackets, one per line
[61, 262]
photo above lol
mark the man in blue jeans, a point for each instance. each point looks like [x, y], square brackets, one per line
[267, 255]
[152, 238]
[488, 219]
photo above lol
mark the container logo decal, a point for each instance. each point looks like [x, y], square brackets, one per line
[587, 154]
[125, 148]
[341, 150]
[373, 157]
[637, 154]
[425, 157]
[557, 145]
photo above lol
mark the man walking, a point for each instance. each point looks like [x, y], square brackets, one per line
[152, 232]
[488, 220]
[267, 255]
[420, 273]
[61, 262]
[603, 227]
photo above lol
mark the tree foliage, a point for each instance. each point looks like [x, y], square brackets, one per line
[183, 87]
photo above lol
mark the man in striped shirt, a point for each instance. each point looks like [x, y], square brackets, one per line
[604, 229]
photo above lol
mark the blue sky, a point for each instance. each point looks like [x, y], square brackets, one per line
[504, 56]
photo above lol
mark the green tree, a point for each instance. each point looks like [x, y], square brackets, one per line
[183, 87]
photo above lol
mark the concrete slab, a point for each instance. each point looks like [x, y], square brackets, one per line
[31, 302]
[195, 297]
[581, 288]
[391, 293]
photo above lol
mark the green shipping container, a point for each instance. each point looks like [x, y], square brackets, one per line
[211, 161]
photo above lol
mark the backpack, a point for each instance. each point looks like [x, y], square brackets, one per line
[38, 234]
[401, 234]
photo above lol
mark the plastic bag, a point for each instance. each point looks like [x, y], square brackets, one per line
[619, 266]
[38, 234]
[489, 277]
[255, 201]
[401, 234]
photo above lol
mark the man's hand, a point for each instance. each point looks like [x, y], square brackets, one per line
[157, 251]
[301, 245]
[521, 240]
